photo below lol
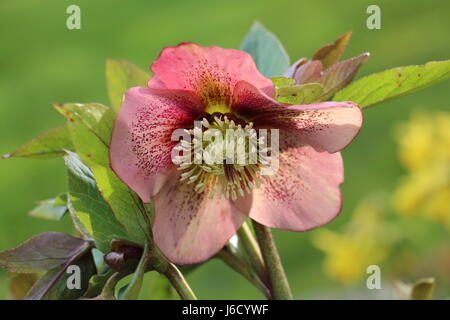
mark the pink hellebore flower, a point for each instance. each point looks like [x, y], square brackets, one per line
[193, 221]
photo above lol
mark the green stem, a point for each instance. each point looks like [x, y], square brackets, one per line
[279, 285]
[176, 278]
[108, 292]
[179, 283]
[135, 285]
[253, 251]
[97, 283]
[243, 268]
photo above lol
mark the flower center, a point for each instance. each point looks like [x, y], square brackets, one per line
[223, 155]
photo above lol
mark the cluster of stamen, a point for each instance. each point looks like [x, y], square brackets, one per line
[223, 156]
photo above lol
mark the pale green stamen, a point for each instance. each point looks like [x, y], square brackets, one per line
[218, 177]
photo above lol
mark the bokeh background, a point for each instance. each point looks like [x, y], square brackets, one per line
[41, 62]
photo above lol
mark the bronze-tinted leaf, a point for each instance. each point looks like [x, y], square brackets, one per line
[308, 72]
[341, 74]
[291, 71]
[330, 53]
[43, 252]
[20, 284]
[54, 284]
[423, 289]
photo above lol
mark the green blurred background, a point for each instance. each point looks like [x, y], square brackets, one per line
[41, 62]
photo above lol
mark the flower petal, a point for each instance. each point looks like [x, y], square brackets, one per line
[189, 227]
[304, 193]
[141, 145]
[210, 72]
[329, 126]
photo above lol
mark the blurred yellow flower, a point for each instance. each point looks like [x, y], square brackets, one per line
[361, 244]
[425, 151]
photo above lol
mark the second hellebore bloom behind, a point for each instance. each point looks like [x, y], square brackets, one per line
[195, 217]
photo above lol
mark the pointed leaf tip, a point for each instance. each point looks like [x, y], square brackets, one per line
[120, 76]
[331, 53]
[46, 145]
[42, 252]
[388, 84]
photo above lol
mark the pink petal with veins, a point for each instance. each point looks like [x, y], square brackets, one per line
[209, 72]
[304, 193]
[141, 145]
[189, 227]
[329, 126]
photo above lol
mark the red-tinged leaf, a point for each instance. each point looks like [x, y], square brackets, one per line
[20, 284]
[43, 252]
[308, 72]
[53, 285]
[341, 74]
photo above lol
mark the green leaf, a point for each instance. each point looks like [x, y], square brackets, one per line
[92, 147]
[53, 284]
[282, 81]
[330, 53]
[288, 92]
[81, 221]
[95, 116]
[97, 282]
[155, 287]
[160, 288]
[134, 287]
[393, 83]
[51, 209]
[267, 51]
[300, 94]
[47, 145]
[109, 289]
[42, 252]
[86, 199]
[120, 76]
